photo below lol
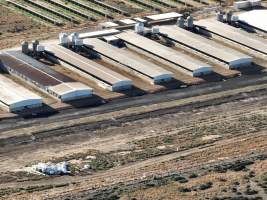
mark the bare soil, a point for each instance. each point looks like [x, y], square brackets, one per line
[134, 149]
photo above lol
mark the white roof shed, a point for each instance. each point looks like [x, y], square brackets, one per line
[14, 97]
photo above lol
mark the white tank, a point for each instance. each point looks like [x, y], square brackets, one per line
[180, 22]
[78, 42]
[190, 22]
[234, 18]
[63, 38]
[219, 16]
[72, 37]
[155, 29]
[40, 48]
[139, 28]
[25, 47]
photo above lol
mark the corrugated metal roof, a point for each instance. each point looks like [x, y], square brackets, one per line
[96, 70]
[234, 34]
[12, 93]
[162, 51]
[128, 21]
[164, 16]
[65, 88]
[203, 45]
[27, 70]
[122, 56]
[255, 18]
[98, 33]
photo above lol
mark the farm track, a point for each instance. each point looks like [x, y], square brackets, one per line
[237, 116]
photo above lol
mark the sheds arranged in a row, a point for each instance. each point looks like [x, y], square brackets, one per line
[230, 57]
[14, 97]
[130, 61]
[43, 77]
[177, 60]
[103, 76]
[36, 13]
[233, 34]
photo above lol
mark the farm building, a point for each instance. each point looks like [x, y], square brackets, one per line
[229, 57]
[14, 97]
[100, 74]
[233, 35]
[173, 58]
[130, 62]
[43, 77]
[255, 19]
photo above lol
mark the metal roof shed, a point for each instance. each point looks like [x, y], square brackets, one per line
[230, 57]
[164, 16]
[72, 91]
[102, 75]
[145, 69]
[39, 75]
[14, 97]
[234, 35]
[177, 60]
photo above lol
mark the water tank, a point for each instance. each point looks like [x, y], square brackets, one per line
[234, 18]
[155, 30]
[63, 38]
[72, 37]
[190, 22]
[229, 16]
[25, 47]
[34, 45]
[219, 16]
[180, 22]
[139, 28]
[40, 48]
[78, 42]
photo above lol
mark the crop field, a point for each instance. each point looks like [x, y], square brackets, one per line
[64, 12]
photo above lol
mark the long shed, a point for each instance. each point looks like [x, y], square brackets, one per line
[43, 77]
[145, 69]
[230, 57]
[14, 97]
[100, 74]
[234, 35]
[177, 60]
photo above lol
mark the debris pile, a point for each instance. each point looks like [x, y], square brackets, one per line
[52, 169]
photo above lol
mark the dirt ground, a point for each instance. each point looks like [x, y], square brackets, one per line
[132, 151]
[15, 27]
